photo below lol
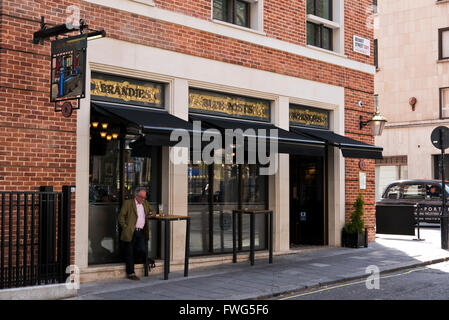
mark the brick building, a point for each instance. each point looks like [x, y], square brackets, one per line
[294, 59]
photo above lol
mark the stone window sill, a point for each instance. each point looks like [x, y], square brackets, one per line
[238, 27]
[326, 51]
[146, 2]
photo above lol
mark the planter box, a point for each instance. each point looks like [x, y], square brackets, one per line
[354, 240]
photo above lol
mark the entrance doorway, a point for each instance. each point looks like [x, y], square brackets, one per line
[308, 222]
[119, 162]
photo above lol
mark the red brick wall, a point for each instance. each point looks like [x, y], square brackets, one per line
[285, 20]
[358, 19]
[37, 145]
[352, 121]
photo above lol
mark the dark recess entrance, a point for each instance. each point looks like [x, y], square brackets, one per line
[307, 199]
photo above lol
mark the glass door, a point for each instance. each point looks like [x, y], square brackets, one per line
[199, 202]
[104, 201]
[307, 214]
[142, 170]
[225, 199]
[254, 195]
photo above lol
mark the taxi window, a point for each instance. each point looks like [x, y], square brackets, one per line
[414, 191]
[433, 192]
[392, 192]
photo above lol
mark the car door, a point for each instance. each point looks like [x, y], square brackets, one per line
[431, 207]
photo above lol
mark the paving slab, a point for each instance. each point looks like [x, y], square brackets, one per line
[291, 272]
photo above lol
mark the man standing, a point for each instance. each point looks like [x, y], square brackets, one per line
[135, 231]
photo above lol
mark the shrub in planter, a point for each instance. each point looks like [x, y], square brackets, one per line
[354, 233]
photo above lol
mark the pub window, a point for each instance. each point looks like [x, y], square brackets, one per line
[319, 36]
[444, 103]
[443, 43]
[214, 191]
[233, 11]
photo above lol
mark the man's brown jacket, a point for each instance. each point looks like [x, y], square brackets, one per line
[127, 219]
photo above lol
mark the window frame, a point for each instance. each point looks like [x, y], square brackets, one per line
[440, 43]
[331, 9]
[320, 38]
[421, 190]
[387, 190]
[441, 103]
[231, 6]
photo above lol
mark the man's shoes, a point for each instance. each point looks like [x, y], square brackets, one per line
[133, 277]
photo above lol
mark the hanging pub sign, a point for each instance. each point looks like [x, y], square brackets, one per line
[309, 117]
[68, 61]
[215, 103]
[110, 88]
[68, 68]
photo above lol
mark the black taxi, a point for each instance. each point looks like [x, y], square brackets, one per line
[426, 194]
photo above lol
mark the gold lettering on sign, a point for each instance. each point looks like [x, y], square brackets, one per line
[125, 91]
[229, 105]
[309, 117]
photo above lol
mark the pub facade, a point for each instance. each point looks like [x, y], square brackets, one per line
[166, 66]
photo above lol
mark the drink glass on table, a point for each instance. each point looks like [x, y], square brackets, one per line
[161, 210]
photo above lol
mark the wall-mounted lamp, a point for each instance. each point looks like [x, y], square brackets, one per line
[96, 35]
[377, 123]
[103, 134]
[104, 126]
[95, 124]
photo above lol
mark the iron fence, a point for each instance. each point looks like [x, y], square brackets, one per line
[35, 237]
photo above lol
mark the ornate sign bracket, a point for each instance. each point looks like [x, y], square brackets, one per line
[68, 62]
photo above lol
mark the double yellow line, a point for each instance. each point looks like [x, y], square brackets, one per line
[349, 284]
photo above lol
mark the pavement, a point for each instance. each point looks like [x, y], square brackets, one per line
[288, 273]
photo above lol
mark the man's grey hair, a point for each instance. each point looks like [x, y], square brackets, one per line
[137, 191]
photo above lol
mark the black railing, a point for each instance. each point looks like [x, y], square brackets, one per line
[35, 237]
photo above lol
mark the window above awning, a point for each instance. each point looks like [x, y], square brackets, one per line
[288, 142]
[350, 148]
[157, 125]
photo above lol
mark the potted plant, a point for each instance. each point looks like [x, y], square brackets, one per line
[354, 234]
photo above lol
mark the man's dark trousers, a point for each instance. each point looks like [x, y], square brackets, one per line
[135, 248]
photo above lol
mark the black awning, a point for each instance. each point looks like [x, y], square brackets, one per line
[149, 120]
[156, 124]
[350, 148]
[288, 142]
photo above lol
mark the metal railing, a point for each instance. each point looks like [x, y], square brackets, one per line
[34, 237]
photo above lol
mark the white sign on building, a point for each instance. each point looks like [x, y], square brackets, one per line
[362, 45]
[362, 180]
